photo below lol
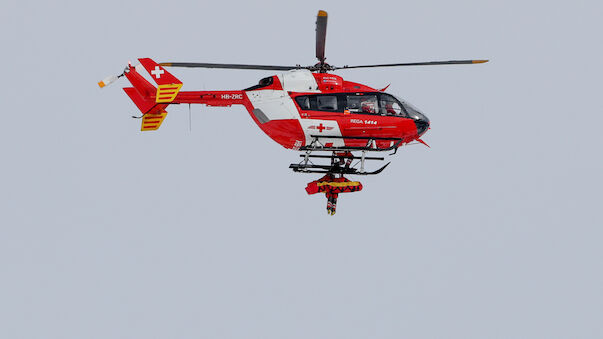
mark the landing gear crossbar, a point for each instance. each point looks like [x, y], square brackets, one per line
[331, 156]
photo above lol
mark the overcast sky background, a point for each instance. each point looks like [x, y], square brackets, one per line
[494, 232]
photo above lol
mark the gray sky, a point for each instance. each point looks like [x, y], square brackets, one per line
[494, 232]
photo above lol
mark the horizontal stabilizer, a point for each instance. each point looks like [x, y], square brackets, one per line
[144, 105]
[145, 88]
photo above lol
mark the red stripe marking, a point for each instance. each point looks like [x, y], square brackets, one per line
[150, 126]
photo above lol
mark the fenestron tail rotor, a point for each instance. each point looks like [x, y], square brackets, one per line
[321, 66]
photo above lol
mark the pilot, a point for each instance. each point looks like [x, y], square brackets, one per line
[389, 108]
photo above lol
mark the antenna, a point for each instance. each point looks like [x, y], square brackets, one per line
[190, 124]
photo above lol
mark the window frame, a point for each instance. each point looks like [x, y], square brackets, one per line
[342, 103]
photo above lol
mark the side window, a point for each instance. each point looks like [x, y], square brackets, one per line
[327, 102]
[362, 103]
[389, 105]
[303, 102]
[353, 103]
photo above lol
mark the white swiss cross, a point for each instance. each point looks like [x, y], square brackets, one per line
[157, 72]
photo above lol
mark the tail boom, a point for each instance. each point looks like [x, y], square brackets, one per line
[212, 98]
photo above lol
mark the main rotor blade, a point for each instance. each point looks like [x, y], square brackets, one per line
[428, 63]
[321, 35]
[228, 66]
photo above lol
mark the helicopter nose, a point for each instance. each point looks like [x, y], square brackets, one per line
[422, 123]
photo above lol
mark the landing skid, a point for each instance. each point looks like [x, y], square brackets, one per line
[311, 168]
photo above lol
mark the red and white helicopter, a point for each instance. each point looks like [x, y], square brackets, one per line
[305, 109]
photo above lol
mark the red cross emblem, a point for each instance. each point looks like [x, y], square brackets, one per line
[320, 127]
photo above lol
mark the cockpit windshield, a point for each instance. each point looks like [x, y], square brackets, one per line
[414, 113]
[411, 111]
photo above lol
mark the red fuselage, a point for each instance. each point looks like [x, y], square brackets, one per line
[298, 107]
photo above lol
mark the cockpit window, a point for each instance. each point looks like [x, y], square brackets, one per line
[362, 103]
[390, 105]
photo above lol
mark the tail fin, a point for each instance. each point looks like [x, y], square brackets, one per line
[168, 85]
[151, 101]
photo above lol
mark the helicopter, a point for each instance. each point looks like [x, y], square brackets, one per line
[304, 108]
